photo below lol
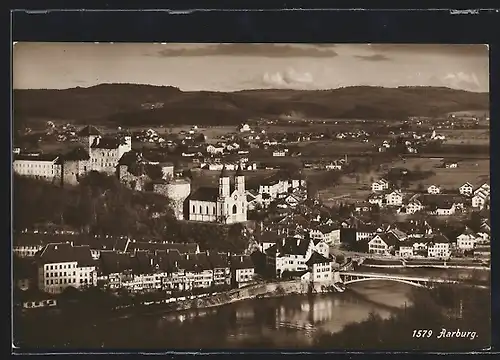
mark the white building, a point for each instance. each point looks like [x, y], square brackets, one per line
[406, 250]
[467, 240]
[242, 270]
[244, 128]
[321, 268]
[327, 233]
[446, 209]
[414, 206]
[104, 152]
[45, 166]
[434, 190]
[382, 244]
[439, 247]
[321, 247]
[289, 255]
[483, 188]
[380, 185]
[226, 204]
[480, 199]
[64, 265]
[466, 189]
[215, 149]
[273, 187]
[394, 198]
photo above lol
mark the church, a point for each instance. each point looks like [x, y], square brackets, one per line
[226, 204]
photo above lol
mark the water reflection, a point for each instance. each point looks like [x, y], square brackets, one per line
[266, 323]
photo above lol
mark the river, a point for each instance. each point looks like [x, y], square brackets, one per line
[288, 322]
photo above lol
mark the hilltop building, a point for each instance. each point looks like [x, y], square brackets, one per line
[104, 152]
[99, 153]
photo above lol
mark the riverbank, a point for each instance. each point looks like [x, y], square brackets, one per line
[430, 265]
[186, 303]
[281, 322]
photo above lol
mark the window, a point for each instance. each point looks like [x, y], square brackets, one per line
[235, 209]
[194, 210]
[200, 209]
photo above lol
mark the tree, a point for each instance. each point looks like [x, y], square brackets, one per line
[405, 184]
[420, 187]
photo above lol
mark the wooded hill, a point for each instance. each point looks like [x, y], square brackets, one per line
[129, 104]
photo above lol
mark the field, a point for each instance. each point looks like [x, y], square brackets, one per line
[474, 171]
[348, 190]
[351, 189]
[333, 148]
[467, 137]
[477, 113]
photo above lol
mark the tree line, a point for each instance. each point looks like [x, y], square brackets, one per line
[101, 205]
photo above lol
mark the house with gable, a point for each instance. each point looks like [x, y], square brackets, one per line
[480, 199]
[242, 270]
[383, 244]
[330, 234]
[289, 255]
[380, 185]
[63, 265]
[466, 189]
[394, 198]
[439, 246]
[466, 240]
[434, 190]
[405, 249]
[321, 268]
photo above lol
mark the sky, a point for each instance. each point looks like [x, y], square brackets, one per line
[233, 67]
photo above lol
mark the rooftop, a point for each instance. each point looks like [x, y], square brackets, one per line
[60, 253]
[38, 157]
[89, 130]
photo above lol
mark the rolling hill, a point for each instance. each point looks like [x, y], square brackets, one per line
[129, 104]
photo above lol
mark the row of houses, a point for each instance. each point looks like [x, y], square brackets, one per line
[62, 265]
[430, 245]
[435, 202]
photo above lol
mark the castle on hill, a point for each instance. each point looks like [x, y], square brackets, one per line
[226, 204]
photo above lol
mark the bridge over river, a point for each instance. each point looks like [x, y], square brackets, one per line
[348, 277]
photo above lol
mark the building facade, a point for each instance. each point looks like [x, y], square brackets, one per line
[63, 265]
[226, 204]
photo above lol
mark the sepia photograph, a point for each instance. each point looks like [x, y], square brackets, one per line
[259, 196]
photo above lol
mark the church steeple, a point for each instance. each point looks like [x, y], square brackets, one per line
[223, 173]
[224, 185]
[239, 180]
[239, 172]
